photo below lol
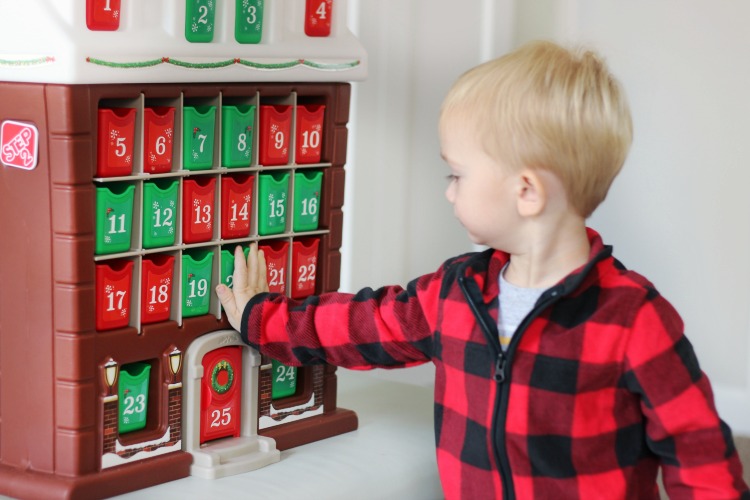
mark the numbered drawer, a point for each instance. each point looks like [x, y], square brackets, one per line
[276, 254]
[103, 15]
[237, 135]
[159, 213]
[115, 142]
[318, 17]
[199, 129]
[307, 186]
[113, 287]
[200, 16]
[114, 218]
[158, 138]
[157, 276]
[197, 271]
[227, 263]
[236, 205]
[304, 267]
[221, 394]
[273, 191]
[284, 381]
[309, 138]
[275, 127]
[248, 21]
[133, 391]
[198, 214]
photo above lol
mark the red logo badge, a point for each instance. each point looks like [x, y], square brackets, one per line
[19, 145]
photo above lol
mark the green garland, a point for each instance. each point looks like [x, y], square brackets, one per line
[221, 366]
[27, 62]
[224, 64]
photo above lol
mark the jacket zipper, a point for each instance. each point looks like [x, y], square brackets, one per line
[502, 376]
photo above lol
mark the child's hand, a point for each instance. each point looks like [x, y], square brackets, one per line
[249, 279]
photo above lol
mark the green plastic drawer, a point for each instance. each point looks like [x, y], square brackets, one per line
[159, 213]
[237, 135]
[133, 391]
[273, 190]
[114, 218]
[227, 263]
[307, 200]
[284, 381]
[199, 129]
[197, 270]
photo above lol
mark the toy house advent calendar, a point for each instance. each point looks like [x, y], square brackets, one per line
[140, 144]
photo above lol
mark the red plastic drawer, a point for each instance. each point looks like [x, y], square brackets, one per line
[158, 137]
[112, 294]
[198, 209]
[103, 15]
[276, 254]
[304, 266]
[275, 127]
[157, 277]
[309, 133]
[236, 205]
[115, 142]
[221, 394]
[318, 17]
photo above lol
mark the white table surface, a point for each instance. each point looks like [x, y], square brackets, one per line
[390, 456]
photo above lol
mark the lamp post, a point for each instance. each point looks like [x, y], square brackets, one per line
[175, 359]
[110, 375]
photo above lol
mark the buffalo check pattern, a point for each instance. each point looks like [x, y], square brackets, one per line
[598, 389]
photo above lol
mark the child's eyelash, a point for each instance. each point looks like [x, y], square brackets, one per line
[451, 177]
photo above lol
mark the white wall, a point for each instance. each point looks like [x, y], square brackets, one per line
[679, 212]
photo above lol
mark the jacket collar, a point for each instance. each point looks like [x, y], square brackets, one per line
[484, 269]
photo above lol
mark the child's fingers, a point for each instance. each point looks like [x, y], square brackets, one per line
[252, 268]
[239, 278]
[226, 297]
[262, 272]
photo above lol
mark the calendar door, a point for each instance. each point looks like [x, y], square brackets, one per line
[221, 394]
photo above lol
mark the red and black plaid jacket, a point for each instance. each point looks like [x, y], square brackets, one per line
[598, 388]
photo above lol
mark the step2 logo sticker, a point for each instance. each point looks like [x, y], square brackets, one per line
[19, 145]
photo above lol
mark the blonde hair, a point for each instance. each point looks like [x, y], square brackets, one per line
[547, 107]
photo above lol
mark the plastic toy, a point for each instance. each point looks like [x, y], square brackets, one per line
[140, 142]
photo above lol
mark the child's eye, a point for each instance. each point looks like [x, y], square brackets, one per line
[451, 177]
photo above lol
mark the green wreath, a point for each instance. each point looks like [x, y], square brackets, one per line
[222, 365]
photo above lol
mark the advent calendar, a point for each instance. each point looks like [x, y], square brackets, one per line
[140, 144]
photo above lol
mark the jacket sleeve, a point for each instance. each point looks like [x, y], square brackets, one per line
[683, 428]
[384, 328]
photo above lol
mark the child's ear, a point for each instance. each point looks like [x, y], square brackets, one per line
[531, 193]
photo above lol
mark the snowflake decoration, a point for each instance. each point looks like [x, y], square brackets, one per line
[317, 127]
[195, 155]
[189, 303]
[271, 197]
[194, 27]
[107, 239]
[196, 203]
[125, 420]
[245, 4]
[171, 230]
[128, 160]
[166, 281]
[304, 151]
[116, 14]
[208, 28]
[169, 133]
[274, 128]
[208, 225]
[152, 157]
[124, 312]
[247, 153]
[285, 151]
[113, 134]
[257, 27]
[231, 225]
[150, 309]
[210, 4]
[109, 288]
[155, 205]
[247, 198]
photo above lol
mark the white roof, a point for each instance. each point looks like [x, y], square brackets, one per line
[49, 41]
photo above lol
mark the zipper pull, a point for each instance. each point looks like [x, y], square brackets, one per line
[500, 368]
